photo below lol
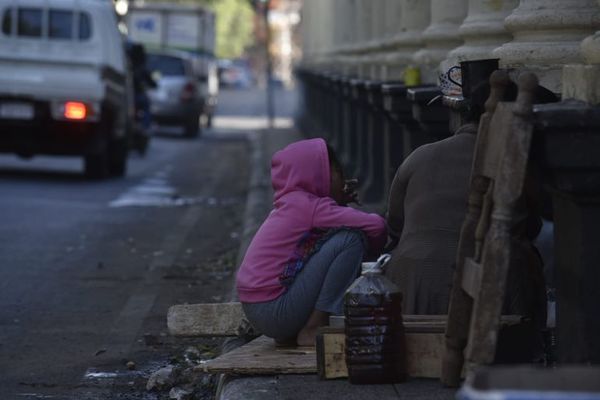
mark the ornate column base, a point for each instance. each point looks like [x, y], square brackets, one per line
[581, 82]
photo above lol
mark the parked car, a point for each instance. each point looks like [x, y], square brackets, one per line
[205, 68]
[177, 99]
[234, 75]
[63, 82]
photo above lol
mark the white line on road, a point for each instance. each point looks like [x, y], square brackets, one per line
[157, 192]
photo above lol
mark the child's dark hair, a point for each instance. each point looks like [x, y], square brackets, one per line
[334, 163]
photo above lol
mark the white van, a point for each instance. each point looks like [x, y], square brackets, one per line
[63, 82]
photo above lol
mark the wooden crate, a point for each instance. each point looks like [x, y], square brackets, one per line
[424, 348]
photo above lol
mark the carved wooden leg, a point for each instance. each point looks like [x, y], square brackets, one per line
[459, 312]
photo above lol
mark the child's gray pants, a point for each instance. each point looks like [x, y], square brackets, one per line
[320, 285]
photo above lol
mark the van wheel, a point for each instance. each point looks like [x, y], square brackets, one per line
[192, 127]
[117, 157]
[96, 165]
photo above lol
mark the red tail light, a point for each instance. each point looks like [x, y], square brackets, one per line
[75, 110]
[188, 91]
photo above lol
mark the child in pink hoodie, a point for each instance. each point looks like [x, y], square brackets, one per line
[309, 249]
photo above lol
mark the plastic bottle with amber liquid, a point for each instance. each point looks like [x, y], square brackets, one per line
[375, 345]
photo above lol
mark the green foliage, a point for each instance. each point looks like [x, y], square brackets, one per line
[234, 26]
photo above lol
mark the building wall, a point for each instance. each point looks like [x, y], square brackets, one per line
[378, 39]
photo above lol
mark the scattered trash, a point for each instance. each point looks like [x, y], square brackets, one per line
[192, 355]
[101, 351]
[177, 393]
[182, 379]
[100, 375]
[162, 379]
[130, 365]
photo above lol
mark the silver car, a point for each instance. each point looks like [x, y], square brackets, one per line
[177, 98]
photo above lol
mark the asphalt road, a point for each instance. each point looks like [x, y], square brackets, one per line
[89, 269]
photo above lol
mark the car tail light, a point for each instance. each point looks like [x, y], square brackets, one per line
[75, 110]
[188, 91]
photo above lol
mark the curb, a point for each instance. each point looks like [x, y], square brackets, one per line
[257, 205]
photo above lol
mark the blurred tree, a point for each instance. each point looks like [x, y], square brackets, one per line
[235, 24]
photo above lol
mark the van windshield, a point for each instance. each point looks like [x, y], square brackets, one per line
[165, 65]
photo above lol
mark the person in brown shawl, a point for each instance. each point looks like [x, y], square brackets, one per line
[426, 209]
[427, 205]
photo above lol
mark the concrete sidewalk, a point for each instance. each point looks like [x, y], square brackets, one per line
[301, 387]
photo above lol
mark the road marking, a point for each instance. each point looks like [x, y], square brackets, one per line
[157, 192]
[152, 192]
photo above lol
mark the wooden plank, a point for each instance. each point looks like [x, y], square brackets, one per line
[424, 352]
[217, 319]
[331, 358]
[262, 357]
[471, 279]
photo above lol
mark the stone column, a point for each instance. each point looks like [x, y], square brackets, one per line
[327, 36]
[378, 22]
[590, 47]
[346, 17]
[392, 19]
[312, 20]
[362, 35]
[362, 23]
[441, 36]
[483, 30]
[339, 33]
[306, 29]
[385, 20]
[547, 35]
[582, 82]
[414, 18]
[336, 25]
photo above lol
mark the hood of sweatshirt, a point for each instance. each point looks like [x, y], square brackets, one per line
[301, 166]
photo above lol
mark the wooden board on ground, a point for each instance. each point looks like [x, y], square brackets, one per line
[261, 357]
[218, 319]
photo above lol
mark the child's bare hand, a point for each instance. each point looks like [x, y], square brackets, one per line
[350, 193]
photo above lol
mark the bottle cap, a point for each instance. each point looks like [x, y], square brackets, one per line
[369, 267]
[375, 267]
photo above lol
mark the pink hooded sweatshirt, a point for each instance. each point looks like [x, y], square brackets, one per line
[301, 181]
